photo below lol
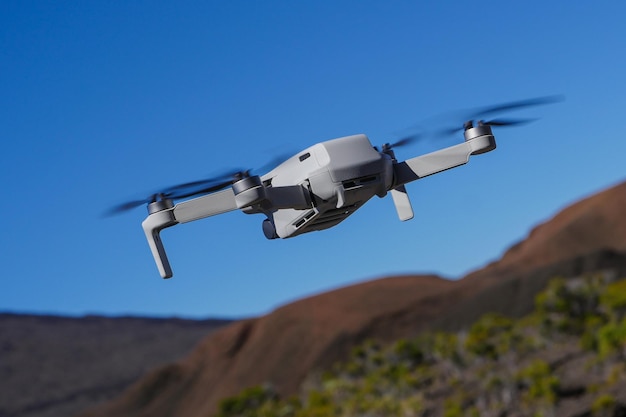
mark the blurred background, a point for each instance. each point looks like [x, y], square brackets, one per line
[106, 102]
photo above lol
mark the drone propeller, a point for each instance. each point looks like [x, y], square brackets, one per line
[514, 105]
[495, 122]
[184, 190]
[193, 188]
[203, 186]
[130, 205]
[505, 122]
[402, 142]
[476, 116]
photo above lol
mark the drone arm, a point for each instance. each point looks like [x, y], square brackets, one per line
[183, 212]
[205, 206]
[438, 161]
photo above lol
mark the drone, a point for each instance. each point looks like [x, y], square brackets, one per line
[319, 187]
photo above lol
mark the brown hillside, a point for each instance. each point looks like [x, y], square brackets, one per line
[595, 223]
[282, 347]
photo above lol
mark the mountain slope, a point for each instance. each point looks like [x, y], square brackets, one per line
[593, 224]
[57, 366]
[280, 347]
[284, 346]
[564, 359]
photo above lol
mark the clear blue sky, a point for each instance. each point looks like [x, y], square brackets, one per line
[102, 102]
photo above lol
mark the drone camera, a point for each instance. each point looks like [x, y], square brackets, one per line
[269, 230]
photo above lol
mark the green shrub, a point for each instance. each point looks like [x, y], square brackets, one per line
[354, 368]
[564, 307]
[616, 374]
[452, 408]
[490, 336]
[409, 351]
[541, 386]
[589, 338]
[318, 398]
[446, 346]
[614, 299]
[604, 405]
[611, 339]
[248, 403]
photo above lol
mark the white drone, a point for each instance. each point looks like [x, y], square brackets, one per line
[318, 187]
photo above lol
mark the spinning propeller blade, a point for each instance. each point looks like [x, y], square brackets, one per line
[507, 122]
[128, 206]
[407, 140]
[476, 115]
[207, 186]
[188, 189]
[193, 188]
[404, 141]
[514, 105]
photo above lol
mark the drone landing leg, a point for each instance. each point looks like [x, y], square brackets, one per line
[152, 226]
[402, 203]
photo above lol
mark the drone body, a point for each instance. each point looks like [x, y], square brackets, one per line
[320, 186]
[316, 188]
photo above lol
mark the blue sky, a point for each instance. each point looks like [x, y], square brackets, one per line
[103, 102]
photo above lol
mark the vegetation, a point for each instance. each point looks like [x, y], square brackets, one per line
[499, 367]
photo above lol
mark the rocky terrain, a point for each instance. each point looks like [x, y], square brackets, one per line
[288, 345]
[566, 358]
[56, 366]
